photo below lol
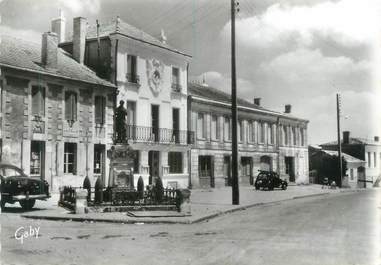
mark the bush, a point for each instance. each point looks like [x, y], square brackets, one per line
[87, 186]
[98, 191]
[140, 187]
[158, 190]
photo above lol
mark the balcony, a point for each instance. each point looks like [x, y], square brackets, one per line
[176, 88]
[141, 134]
[133, 78]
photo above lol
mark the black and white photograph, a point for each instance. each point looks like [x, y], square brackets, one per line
[190, 132]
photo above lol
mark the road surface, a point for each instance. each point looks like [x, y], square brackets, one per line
[335, 229]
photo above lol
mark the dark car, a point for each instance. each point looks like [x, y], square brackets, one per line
[16, 186]
[269, 180]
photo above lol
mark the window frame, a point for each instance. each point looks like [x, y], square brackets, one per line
[175, 162]
[100, 120]
[74, 153]
[73, 115]
[41, 98]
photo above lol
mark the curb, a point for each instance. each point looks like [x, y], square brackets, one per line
[187, 221]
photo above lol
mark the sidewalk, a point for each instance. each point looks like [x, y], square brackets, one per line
[205, 204]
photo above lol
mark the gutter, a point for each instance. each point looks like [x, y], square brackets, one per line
[252, 109]
[54, 75]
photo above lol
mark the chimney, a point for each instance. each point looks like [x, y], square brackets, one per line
[49, 50]
[58, 27]
[79, 39]
[346, 137]
[287, 108]
[257, 101]
[376, 138]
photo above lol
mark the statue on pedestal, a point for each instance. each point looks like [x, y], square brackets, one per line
[120, 122]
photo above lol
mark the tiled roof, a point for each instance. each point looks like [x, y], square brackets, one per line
[25, 55]
[211, 93]
[347, 157]
[354, 141]
[107, 28]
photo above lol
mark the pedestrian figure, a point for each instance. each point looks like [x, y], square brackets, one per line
[120, 122]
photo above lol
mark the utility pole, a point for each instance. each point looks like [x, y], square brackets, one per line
[338, 107]
[235, 188]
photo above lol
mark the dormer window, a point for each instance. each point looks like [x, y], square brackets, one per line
[132, 75]
[176, 87]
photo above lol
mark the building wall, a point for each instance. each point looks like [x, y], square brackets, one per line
[20, 128]
[250, 148]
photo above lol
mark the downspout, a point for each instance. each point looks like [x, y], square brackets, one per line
[189, 122]
[116, 84]
[278, 144]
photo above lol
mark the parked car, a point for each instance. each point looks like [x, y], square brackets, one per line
[269, 180]
[16, 186]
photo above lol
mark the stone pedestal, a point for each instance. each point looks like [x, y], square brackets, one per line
[81, 202]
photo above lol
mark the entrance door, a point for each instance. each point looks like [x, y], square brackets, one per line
[176, 124]
[246, 170]
[227, 171]
[206, 171]
[290, 168]
[99, 161]
[155, 122]
[37, 159]
[153, 162]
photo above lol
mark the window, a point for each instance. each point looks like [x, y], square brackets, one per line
[239, 131]
[351, 174]
[375, 159]
[71, 106]
[214, 128]
[270, 130]
[369, 160]
[293, 136]
[136, 161]
[36, 158]
[99, 159]
[261, 131]
[132, 69]
[250, 132]
[176, 87]
[70, 156]
[227, 131]
[38, 101]
[100, 110]
[201, 129]
[285, 136]
[175, 162]
[301, 137]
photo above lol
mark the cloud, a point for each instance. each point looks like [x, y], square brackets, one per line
[79, 6]
[25, 34]
[347, 22]
[311, 72]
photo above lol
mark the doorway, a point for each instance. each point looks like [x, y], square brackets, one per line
[290, 167]
[227, 171]
[153, 162]
[99, 161]
[206, 171]
[246, 165]
[155, 122]
[176, 125]
[37, 159]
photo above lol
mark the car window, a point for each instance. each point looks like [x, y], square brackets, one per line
[261, 176]
[10, 172]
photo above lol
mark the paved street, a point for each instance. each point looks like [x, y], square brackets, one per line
[341, 228]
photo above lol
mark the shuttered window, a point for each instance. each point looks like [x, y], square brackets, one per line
[70, 106]
[38, 101]
[100, 109]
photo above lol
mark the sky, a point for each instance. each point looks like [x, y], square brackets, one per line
[298, 52]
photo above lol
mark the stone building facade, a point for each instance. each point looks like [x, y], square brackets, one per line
[267, 140]
[56, 114]
[151, 77]
[368, 150]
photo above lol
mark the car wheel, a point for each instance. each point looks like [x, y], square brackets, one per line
[270, 186]
[284, 186]
[27, 204]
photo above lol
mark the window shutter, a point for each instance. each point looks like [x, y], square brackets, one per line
[98, 106]
[74, 106]
[35, 100]
[68, 106]
[42, 101]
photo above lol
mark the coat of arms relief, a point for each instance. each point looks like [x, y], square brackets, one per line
[155, 72]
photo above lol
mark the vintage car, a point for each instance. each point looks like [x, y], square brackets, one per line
[16, 186]
[269, 180]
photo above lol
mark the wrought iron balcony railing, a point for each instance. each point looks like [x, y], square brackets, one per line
[176, 88]
[143, 134]
[133, 78]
